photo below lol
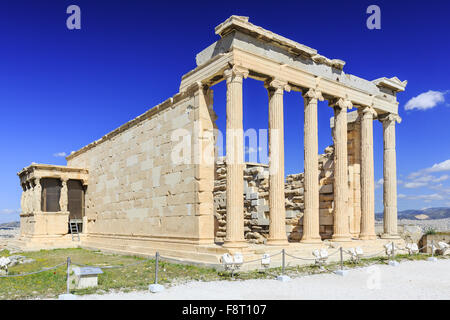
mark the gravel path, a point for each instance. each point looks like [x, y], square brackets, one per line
[409, 280]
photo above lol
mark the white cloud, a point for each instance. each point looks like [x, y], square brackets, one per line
[411, 185]
[379, 183]
[8, 211]
[426, 100]
[425, 197]
[438, 167]
[441, 178]
[423, 177]
[60, 154]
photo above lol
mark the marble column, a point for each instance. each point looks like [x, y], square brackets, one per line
[367, 175]
[64, 197]
[311, 150]
[277, 216]
[341, 225]
[235, 158]
[390, 176]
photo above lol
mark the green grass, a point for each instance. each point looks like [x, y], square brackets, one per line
[50, 284]
[430, 231]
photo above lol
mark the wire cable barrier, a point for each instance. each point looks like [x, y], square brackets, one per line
[234, 265]
[34, 272]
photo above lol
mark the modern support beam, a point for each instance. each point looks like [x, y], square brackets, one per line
[341, 216]
[311, 145]
[367, 175]
[277, 227]
[235, 158]
[390, 176]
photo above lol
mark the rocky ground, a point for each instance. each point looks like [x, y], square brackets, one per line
[441, 225]
[410, 280]
[437, 224]
[6, 234]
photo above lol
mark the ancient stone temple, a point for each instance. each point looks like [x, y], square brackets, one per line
[156, 184]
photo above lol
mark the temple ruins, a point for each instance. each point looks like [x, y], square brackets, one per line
[125, 193]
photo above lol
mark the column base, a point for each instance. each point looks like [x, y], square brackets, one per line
[277, 242]
[342, 238]
[235, 244]
[367, 236]
[390, 236]
[311, 240]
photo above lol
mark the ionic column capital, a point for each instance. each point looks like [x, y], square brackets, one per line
[313, 94]
[367, 112]
[390, 117]
[277, 85]
[236, 74]
[340, 103]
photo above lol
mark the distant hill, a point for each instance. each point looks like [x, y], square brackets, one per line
[424, 214]
[14, 224]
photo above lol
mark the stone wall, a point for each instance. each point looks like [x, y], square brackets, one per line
[136, 190]
[256, 200]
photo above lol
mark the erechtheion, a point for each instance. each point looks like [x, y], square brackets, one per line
[156, 184]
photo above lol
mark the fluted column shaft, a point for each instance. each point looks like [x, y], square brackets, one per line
[277, 215]
[311, 186]
[235, 158]
[390, 176]
[341, 226]
[367, 175]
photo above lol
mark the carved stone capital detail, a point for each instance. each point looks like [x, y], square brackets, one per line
[313, 94]
[279, 86]
[389, 117]
[236, 73]
[341, 103]
[368, 112]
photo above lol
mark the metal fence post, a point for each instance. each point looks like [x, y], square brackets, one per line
[283, 277]
[156, 267]
[68, 273]
[393, 251]
[155, 287]
[432, 248]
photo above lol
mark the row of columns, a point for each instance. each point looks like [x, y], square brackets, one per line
[32, 196]
[235, 166]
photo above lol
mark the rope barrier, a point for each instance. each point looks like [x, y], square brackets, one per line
[372, 255]
[257, 260]
[246, 262]
[306, 259]
[111, 267]
[331, 254]
[34, 272]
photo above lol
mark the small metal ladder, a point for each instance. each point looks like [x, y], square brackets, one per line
[74, 230]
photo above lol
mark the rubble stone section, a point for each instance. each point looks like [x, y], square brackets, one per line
[256, 201]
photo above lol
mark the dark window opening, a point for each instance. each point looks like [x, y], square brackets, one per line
[75, 200]
[51, 192]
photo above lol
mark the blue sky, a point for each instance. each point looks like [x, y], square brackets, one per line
[61, 89]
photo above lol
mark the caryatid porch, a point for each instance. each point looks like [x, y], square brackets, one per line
[249, 51]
